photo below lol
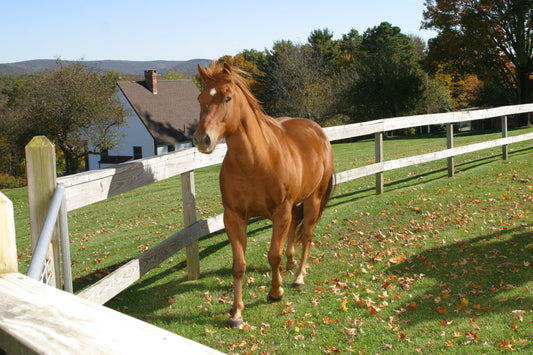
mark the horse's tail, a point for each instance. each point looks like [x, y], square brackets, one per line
[323, 203]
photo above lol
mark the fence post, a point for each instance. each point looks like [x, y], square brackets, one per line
[65, 246]
[505, 148]
[41, 176]
[188, 194]
[8, 249]
[449, 145]
[379, 159]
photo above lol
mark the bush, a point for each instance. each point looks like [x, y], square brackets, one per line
[10, 182]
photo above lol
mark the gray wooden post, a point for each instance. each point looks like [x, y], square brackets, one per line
[505, 148]
[188, 194]
[449, 145]
[379, 159]
[65, 246]
[8, 248]
[41, 175]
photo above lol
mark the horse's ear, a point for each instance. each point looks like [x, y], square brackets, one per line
[228, 68]
[203, 74]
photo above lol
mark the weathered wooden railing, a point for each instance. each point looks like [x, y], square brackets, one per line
[39, 319]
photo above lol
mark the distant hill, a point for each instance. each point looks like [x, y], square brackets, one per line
[134, 68]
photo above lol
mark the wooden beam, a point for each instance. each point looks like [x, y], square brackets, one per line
[395, 123]
[188, 194]
[120, 279]
[449, 145]
[8, 248]
[97, 185]
[372, 169]
[41, 174]
[379, 158]
[38, 319]
[505, 148]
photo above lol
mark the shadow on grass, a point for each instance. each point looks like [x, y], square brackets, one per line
[470, 278]
[151, 292]
[86, 280]
[427, 177]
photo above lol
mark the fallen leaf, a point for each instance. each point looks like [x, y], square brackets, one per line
[343, 306]
[519, 313]
[449, 343]
[471, 335]
[441, 310]
[507, 345]
[474, 324]
[446, 322]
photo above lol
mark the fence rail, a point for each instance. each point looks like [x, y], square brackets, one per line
[38, 319]
[93, 186]
[135, 174]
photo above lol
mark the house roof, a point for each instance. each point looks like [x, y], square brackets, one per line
[172, 114]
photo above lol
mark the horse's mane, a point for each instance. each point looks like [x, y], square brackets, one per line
[240, 77]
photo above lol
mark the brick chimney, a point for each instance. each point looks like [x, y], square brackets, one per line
[150, 76]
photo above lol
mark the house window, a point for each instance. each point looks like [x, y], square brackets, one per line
[171, 148]
[137, 152]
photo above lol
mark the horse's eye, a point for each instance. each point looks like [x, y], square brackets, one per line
[227, 99]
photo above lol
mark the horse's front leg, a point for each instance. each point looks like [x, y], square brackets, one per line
[236, 229]
[281, 223]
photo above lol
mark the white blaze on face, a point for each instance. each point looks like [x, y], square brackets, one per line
[213, 92]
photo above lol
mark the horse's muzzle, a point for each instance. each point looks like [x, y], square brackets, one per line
[202, 141]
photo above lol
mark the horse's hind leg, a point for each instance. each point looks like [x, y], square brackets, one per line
[311, 214]
[292, 238]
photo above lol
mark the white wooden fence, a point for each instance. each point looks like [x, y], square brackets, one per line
[93, 186]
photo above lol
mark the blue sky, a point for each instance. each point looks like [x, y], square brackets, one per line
[181, 30]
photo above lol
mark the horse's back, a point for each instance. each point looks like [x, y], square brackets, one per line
[307, 136]
[311, 147]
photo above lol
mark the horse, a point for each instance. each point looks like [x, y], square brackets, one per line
[280, 169]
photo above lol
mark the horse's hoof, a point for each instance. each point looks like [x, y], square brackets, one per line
[235, 323]
[297, 286]
[291, 266]
[273, 299]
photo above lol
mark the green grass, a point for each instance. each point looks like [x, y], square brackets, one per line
[434, 265]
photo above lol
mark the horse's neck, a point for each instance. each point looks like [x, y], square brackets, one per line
[250, 144]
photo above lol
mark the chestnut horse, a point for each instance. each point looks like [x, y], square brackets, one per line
[278, 169]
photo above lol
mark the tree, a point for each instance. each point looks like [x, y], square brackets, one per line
[349, 48]
[435, 97]
[389, 81]
[296, 82]
[490, 38]
[322, 42]
[174, 74]
[75, 106]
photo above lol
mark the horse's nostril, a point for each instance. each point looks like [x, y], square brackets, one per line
[207, 140]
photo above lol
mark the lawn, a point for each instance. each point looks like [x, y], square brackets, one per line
[434, 265]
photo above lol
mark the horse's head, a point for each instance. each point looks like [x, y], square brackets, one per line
[218, 112]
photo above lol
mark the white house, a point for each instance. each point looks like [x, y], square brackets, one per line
[163, 116]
